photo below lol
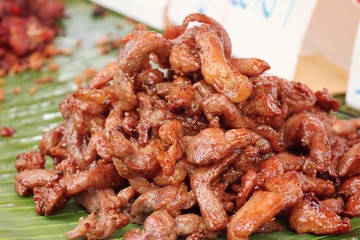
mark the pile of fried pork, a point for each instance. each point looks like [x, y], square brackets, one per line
[183, 138]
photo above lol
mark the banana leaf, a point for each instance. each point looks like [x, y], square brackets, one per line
[31, 114]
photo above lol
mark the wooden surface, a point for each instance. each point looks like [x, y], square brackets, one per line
[317, 72]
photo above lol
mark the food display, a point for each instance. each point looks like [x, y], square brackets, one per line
[181, 137]
[27, 29]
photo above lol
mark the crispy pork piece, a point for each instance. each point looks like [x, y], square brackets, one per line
[261, 207]
[349, 187]
[27, 180]
[104, 218]
[29, 160]
[349, 164]
[99, 228]
[352, 207]
[310, 216]
[334, 204]
[159, 225]
[210, 205]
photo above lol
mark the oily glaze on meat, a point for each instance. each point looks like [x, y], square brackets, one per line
[182, 137]
[309, 215]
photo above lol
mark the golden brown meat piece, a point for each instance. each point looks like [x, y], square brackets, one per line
[104, 203]
[263, 106]
[147, 79]
[152, 201]
[134, 57]
[212, 144]
[349, 164]
[334, 204]
[305, 130]
[104, 76]
[321, 187]
[29, 160]
[250, 67]
[98, 228]
[51, 142]
[217, 71]
[310, 216]
[326, 101]
[180, 95]
[352, 207]
[27, 180]
[98, 200]
[159, 225]
[210, 205]
[349, 186]
[192, 226]
[248, 183]
[218, 107]
[350, 190]
[277, 165]
[261, 207]
[220, 31]
[184, 57]
[49, 200]
[299, 98]
[97, 177]
[346, 127]
[289, 185]
[208, 146]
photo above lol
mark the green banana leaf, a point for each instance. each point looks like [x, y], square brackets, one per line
[31, 114]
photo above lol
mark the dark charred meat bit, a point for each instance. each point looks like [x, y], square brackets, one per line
[179, 136]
